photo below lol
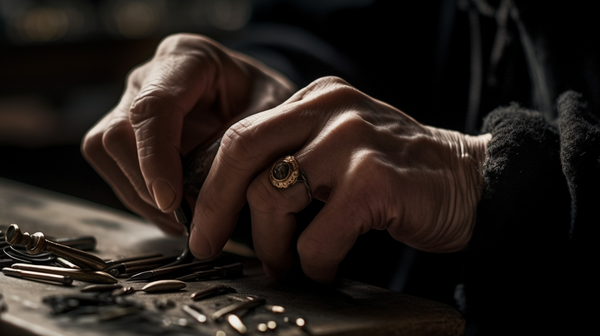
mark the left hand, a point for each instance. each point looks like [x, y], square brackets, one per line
[374, 166]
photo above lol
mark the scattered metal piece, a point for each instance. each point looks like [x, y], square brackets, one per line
[65, 263]
[275, 309]
[45, 277]
[76, 274]
[262, 327]
[232, 270]
[124, 291]
[183, 215]
[100, 288]
[136, 266]
[195, 313]
[249, 303]
[15, 254]
[159, 286]
[272, 325]
[171, 271]
[164, 286]
[300, 322]
[212, 291]
[220, 333]
[286, 319]
[236, 323]
[37, 243]
[134, 258]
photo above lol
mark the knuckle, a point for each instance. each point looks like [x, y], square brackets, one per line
[92, 144]
[351, 126]
[236, 144]
[187, 44]
[262, 197]
[115, 135]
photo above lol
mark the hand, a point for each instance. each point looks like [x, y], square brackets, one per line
[189, 93]
[374, 166]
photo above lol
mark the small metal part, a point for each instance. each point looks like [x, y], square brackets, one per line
[45, 277]
[164, 286]
[220, 272]
[137, 266]
[262, 327]
[275, 309]
[171, 271]
[134, 258]
[249, 303]
[286, 319]
[272, 325]
[300, 322]
[236, 323]
[124, 291]
[220, 333]
[76, 274]
[100, 288]
[195, 313]
[212, 291]
[37, 243]
[65, 263]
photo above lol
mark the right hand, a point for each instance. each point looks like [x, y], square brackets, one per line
[189, 93]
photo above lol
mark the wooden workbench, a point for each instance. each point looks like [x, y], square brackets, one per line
[348, 308]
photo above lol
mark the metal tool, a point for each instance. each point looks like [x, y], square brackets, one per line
[236, 323]
[196, 166]
[76, 274]
[37, 243]
[159, 286]
[220, 272]
[113, 262]
[211, 292]
[172, 271]
[44, 277]
[137, 266]
[249, 303]
[195, 313]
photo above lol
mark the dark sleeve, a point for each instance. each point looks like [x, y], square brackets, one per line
[536, 221]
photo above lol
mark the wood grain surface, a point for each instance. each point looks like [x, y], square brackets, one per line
[347, 308]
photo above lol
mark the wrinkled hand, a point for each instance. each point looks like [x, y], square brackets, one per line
[189, 93]
[374, 166]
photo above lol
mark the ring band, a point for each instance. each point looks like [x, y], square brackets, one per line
[285, 172]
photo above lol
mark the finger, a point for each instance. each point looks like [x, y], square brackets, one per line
[274, 224]
[329, 237]
[94, 151]
[119, 142]
[248, 148]
[172, 88]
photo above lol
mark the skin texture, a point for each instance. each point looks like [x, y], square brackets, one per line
[374, 166]
[189, 93]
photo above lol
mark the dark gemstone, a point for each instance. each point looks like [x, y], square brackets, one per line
[281, 170]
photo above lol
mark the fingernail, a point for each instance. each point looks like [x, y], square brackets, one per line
[164, 194]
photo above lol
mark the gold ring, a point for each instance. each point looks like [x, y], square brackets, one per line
[285, 172]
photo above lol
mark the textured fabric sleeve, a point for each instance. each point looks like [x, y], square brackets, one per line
[517, 252]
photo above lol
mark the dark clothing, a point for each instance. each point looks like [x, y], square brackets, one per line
[529, 264]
